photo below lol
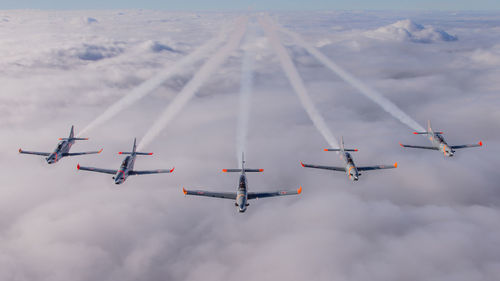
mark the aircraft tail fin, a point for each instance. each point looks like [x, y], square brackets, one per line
[342, 148]
[134, 151]
[72, 135]
[429, 130]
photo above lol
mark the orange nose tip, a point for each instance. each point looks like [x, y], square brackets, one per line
[184, 191]
[299, 191]
[480, 143]
[396, 165]
[78, 167]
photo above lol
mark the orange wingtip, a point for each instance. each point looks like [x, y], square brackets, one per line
[224, 170]
[480, 144]
[78, 166]
[100, 150]
[184, 191]
[302, 164]
[261, 170]
[299, 191]
[396, 165]
[172, 169]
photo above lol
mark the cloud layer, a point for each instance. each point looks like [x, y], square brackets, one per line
[430, 219]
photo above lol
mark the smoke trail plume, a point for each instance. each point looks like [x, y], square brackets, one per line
[297, 83]
[195, 83]
[150, 85]
[246, 88]
[370, 93]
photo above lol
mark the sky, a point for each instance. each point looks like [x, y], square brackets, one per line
[484, 5]
[432, 218]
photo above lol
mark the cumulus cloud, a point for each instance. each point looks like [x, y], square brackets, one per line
[407, 30]
[432, 218]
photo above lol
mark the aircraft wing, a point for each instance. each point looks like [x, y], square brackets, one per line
[342, 169]
[98, 170]
[379, 167]
[223, 195]
[146, 172]
[34, 152]
[82, 153]
[417, 146]
[257, 195]
[467, 145]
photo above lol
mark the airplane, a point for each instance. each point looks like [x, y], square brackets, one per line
[62, 149]
[126, 168]
[241, 196]
[438, 142]
[350, 168]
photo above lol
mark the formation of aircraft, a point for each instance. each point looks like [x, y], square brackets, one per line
[62, 149]
[438, 142]
[241, 196]
[349, 168]
[127, 167]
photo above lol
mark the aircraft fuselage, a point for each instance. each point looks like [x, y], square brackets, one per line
[242, 194]
[438, 141]
[62, 148]
[126, 166]
[350, 167]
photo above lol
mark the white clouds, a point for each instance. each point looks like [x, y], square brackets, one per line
[430, 219]
[407, 30]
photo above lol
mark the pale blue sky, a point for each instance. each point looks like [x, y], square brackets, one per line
[256, 4]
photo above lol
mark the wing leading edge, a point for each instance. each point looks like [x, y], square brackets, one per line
[257, 195]
[34, 152]
[98, 170]
[341, 169]
[222, 195]
[379, 167]
[147, 172]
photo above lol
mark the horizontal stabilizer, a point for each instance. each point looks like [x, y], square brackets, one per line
[71, 139]
[136, 153]
[338, 149]
[240, 170]
[425, 133]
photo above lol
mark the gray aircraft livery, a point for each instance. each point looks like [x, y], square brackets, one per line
[241, 196]
[350, 168]
[126, 168]
[438, 142]
[62, 149]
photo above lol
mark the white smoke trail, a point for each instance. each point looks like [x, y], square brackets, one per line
[195, 83]
[150, 85]
[297, 83]
[246, 89]
[372, 94]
